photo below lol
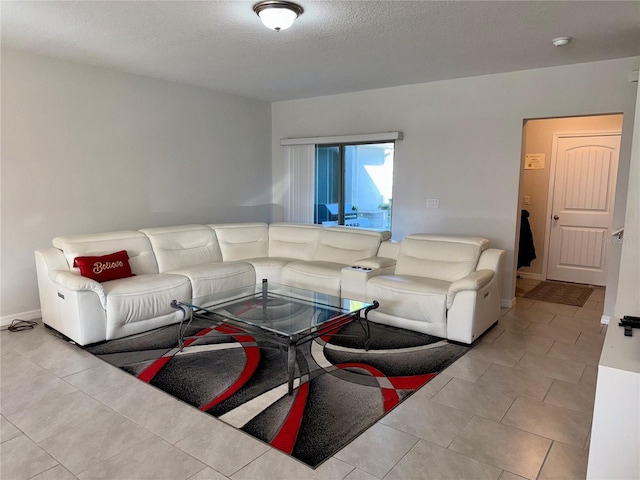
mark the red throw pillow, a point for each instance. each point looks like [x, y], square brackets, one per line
[105, 267]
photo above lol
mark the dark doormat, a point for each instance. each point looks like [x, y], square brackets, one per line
[564, 293]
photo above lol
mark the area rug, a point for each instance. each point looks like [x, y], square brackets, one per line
[557, 292]
[242, 380]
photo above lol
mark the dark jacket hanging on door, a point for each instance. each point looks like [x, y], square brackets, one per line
[526, 250]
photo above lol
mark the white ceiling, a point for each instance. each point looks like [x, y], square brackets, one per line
[334, 47]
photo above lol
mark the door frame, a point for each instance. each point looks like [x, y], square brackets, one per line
[552, 178]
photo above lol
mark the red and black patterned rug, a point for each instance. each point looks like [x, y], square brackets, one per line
[242, 380]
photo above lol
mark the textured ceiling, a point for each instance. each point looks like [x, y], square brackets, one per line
[334, 47]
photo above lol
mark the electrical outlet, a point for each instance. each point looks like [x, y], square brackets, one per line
[433, 203]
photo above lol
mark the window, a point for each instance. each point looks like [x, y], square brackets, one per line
[353, 185]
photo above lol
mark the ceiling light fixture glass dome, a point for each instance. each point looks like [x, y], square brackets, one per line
[277, 15]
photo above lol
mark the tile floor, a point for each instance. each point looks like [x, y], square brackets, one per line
[518, 405]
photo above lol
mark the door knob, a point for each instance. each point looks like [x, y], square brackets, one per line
[556, 217]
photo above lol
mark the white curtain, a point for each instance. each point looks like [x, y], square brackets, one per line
[299, 177]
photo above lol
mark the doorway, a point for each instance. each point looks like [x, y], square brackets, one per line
[569, 172]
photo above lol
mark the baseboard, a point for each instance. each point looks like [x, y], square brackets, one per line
[605, 319]
[530, 276]
[6, 320]
[506, 303]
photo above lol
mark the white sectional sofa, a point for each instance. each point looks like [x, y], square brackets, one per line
[421, 283]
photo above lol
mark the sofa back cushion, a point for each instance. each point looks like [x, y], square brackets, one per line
[239, 241]
[347, 245]
[137, 245]
[441, 257]
[291, 240]
[183, 246]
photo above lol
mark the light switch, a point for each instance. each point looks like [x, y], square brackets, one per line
[527, 200]
[433, 203]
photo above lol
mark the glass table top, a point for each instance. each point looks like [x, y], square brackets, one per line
[278, 308]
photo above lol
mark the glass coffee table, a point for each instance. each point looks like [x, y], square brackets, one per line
[286, 316]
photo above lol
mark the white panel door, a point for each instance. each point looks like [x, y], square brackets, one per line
[582, 208]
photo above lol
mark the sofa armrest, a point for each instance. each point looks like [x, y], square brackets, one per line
[77, 283]
[474, 281]
[375, 263]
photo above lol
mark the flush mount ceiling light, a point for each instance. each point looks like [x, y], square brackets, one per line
[277, 15]
[560, 41]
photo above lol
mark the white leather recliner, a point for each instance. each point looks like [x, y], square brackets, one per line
[447, 286]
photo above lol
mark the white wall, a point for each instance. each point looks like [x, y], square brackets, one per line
[463, 141]
[88, 149]
[628, 300]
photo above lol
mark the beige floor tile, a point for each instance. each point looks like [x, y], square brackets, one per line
[513, 323]
[590, 375]
[377, 450]
[56, 473]
[553, 308]
[490, 335]
[101, 378]
[516, 381]
[357, 474]
[208, 474]
[155, 459]
[429, 461]
[574, 396]
[591, 340]
[474, 398]
[490, 353]
[21, 459]
[427, 420]
[576, 323]
[173, 420]
[467, 368]
[61, 358]
[16, 367]
[28, 391]
[8, 430]
[588, 314]
[48, 418]
[524, 302]
[275, 465]
[509, 476]
[433, 387]
[576, 353]
[564, 462]
[556, 423]
[507, 448]
[594, 305]
[117, 434]
[212, 446]
[530, 343]
[127, 400]
[543, 365]
[554, 332]
[529, 315]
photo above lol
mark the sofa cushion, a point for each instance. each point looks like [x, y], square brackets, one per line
[105, 267]
[137, 245]
[290, 240]
[183, 246]
[143, 297]
[347, 245]
[269, 267]
[440, 257]
[217, 277]
[239, 241]
[410, 297]
[323, 277]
